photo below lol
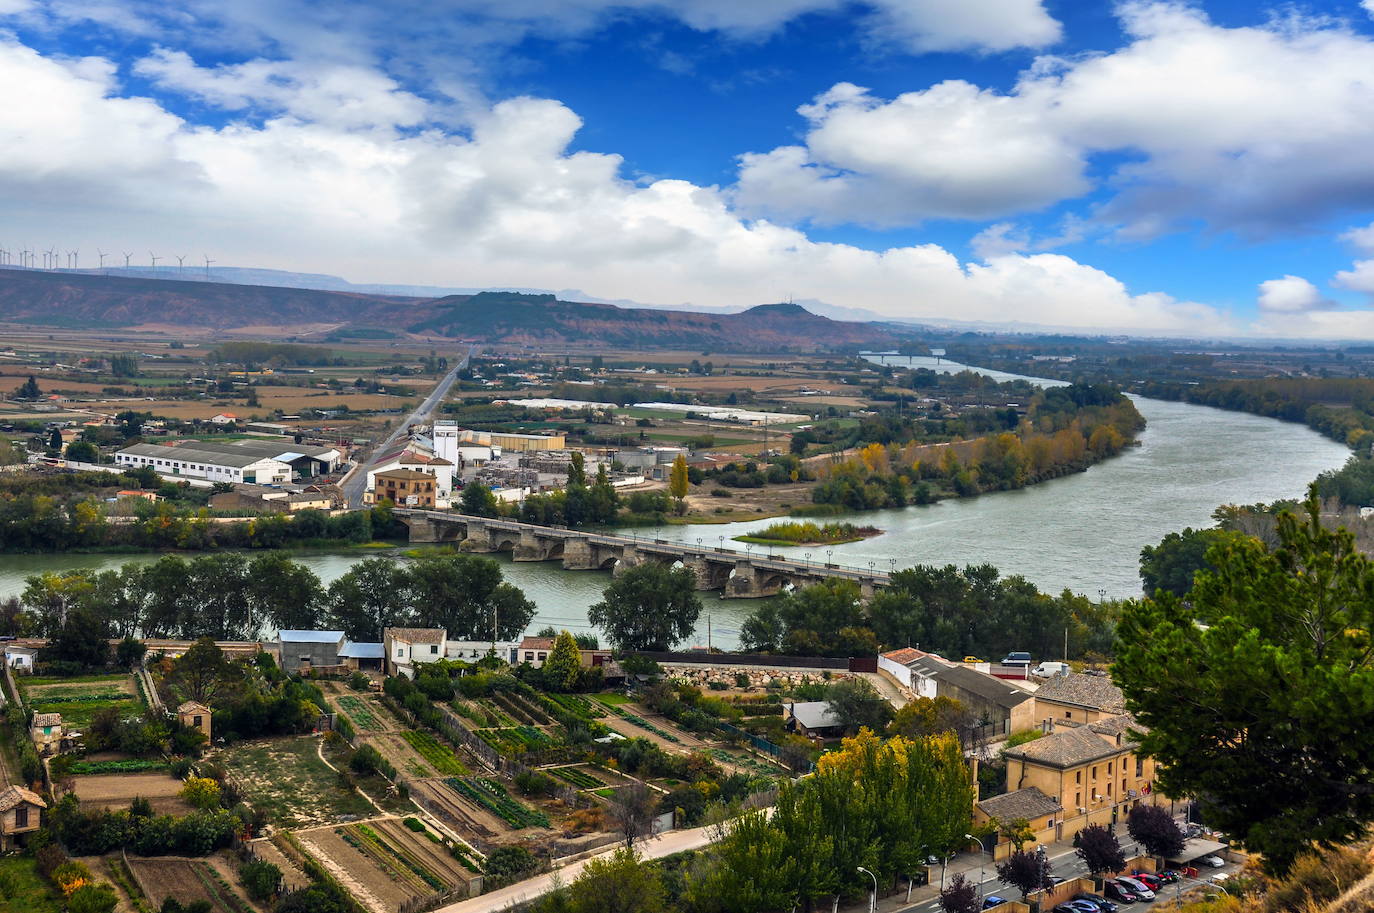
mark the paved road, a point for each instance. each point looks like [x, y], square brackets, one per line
[354, 483]
[654, 848]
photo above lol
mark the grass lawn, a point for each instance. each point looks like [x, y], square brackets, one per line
[613, 700]
[286, 778]
[22, 890]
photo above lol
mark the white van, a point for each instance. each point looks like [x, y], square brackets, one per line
[1049, 670]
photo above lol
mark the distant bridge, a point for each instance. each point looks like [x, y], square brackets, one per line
[737, 574]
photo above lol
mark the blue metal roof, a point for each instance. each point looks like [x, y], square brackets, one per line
[310, 637]
[362, 651]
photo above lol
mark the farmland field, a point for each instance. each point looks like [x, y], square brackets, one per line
[117, 790]
[517, 739]
[188, 880]
[362, 713]
[382, 863]
[439, 755]
[288, 780]
[80, 699]
[493, 796]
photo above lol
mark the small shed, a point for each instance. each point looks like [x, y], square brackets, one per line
[21, 812]
[362, 656]
[20, 659]
[46, 729]
[195, 715]
[813, 719]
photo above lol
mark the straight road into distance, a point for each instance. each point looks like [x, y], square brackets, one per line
[354, 483]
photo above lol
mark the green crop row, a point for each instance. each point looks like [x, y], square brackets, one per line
[579, 778]
[645, 724]
[576, 704]
[439, 755]
[360, 713]
[493, 797]
[116, 767]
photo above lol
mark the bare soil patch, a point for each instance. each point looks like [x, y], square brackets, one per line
[378, 890]
[188, 880]
[116, 791]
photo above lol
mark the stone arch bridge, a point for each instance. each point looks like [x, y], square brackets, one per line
[734, 573]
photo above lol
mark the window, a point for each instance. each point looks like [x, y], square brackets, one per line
[196, 721]
[1109, 790]
[1109, 768]
[1068, 714]
[1139, 766]
[21, 816]
[542, 656]
[400, 651]
[433, 648]
[1094, 771]
[1078, 800]
[1078, 776]
[529, 657]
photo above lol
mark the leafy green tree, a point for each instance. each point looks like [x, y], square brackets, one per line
[202, 671]
[509, 864]
[28, 390]
[856, 703]
[83, 639]
[130, 652]
[604, 501]
[618, 884]
[563, 664]
[261, 879]
[649, 607]
[1100, 850]
[825, 619]
[371, 596]
[284, 594]
[83, 452]
[577, 469]
[478, 501]
[465, 595]
[1263, 715]
[1172, 564]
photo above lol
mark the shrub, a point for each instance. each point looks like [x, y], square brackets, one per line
[48, 859]
[534, 783]
[92, 898]
[201, 792]
[260, 879]
[414, 824]
[359, 681]
[181, 768]
[741, 680]
[366, 760]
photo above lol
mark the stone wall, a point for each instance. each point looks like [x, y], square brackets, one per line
[759, 676]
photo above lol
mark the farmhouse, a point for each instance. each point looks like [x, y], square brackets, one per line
[913, 670]
[224, 418]
[21, 812]
[303, 650]
[405, 648]
[46, 730]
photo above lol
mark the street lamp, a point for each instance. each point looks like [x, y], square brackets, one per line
[981, 861]
[872, 898]
[720, 543]
[830, 556]
[808, 559]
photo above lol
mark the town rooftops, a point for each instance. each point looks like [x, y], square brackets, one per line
[987, 687]
[193, 707]
[362, 651]
[1095, 692]
[310, 637]
[1114, 725]
[537, 643]
[1065, 748]
[18, 795]
[814, 714]
[417, 635]
[47, 719]
[1029, 803]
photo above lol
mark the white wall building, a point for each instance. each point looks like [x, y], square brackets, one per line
[441, 468]
[461, 447]
[405, 648]
[188, 461]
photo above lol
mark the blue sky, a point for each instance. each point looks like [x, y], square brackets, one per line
[1151, 166]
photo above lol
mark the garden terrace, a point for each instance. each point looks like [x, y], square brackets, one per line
[80, 698]
[492, 796]
[288, 780]
[116, 790]
[187, 880]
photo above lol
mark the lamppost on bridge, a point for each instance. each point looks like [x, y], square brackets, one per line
[829, 556]
[808, 559]
[720, 543]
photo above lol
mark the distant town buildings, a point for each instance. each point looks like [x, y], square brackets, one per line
[262, 462]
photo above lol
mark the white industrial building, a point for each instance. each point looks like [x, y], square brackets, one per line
[191, 462]
[728, 413]
[461, 446]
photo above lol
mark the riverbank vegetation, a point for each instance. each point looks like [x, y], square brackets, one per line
[793, 533]
[1065, 429]
[232, 597]
[1341, 408]
[953, 612]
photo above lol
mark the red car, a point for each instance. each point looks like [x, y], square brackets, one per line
[1151, 880]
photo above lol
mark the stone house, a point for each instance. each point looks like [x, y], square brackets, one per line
[1078, 698]
[47, 733]
[1042, 813]
[195, 715]
[21, 812]
[405, 648]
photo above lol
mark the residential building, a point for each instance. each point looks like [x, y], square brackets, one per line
[137, 493]
[21, 812]
[1007, 707]
[1042, 812]
[534, 650]
[913, 670]
[195, 715]
[303, 650]
[224, 418]
[405, 648]
[1093, 770]
[1078, 698]
[812, 719]
[20, 659]
[417, 460]
[470, 651]
[404, 488]
[47, 733]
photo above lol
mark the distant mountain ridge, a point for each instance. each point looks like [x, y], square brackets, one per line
[75, 299]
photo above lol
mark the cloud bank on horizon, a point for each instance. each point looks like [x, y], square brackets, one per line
[375, 142]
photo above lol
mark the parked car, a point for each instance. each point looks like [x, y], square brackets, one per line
[1016, 659]
[993, 900]
[1215, 862]
[1083, 906]
[1119, 892]
[972, 659]
[1067, 908]
[1048, 670]
[1141, 889]
[1149, 879]
[1103, 904]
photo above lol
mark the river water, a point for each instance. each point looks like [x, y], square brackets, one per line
[1082, 532]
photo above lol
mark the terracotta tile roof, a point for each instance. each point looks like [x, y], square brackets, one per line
[1096, 692]
[1029, 803]
[47, 719]
[904, 655]
[1065, 748]
[17, 795]
[417, 635]
[537, 643]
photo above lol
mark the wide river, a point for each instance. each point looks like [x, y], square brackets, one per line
[1082, 532]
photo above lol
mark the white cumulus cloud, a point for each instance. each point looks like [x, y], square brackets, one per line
[503, 203]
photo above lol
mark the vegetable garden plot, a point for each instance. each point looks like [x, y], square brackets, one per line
[493, 796]
[362, 713]
[576, 776]
[518, 740]
[439, 755]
